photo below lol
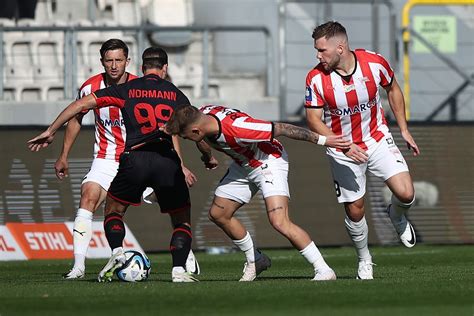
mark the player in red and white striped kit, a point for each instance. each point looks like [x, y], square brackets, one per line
[260, 163]
[342, 98]
[110, 136]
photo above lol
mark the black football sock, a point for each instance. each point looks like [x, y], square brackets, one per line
[114, 230]
[180, 244]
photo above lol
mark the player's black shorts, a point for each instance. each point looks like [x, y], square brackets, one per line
[158, 167]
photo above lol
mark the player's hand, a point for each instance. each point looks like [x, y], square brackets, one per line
[410, 143]
[164, 129]
[356, 153]
[337, 142]
[210, 163]
[61, 167]
[41, 141]
[190, 178]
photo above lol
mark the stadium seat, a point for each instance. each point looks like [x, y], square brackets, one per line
[189, 78]
[123, 12]
[44, 12]
[171, 13]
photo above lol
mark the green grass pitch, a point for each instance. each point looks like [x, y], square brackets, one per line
[425, 280]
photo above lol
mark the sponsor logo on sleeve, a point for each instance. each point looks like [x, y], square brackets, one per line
[308, 95]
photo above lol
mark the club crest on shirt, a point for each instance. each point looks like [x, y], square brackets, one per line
[364, 79]
[349, 88]
[308, 94]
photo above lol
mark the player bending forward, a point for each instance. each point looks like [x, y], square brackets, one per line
[260, 163]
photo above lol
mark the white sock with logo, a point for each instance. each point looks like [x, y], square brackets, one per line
[359, 233]
[82, 235]
[312, 254]
[246, 245]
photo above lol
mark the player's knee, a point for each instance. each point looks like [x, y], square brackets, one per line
[215, 217]
[280, 224]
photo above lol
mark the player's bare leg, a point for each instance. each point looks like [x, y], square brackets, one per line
[114, 228]
[92, 196]
[403, 197]
[277, 211]
[358, 231]
[222, 214]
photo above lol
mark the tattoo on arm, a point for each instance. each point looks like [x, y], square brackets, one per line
[275, 209]
[295, 132]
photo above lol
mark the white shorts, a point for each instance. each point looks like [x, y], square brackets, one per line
[241, 185]
[385, 161]
[102, 172]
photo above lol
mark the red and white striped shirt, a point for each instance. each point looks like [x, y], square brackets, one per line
[352, 104]
[248, 141]
[109, 126]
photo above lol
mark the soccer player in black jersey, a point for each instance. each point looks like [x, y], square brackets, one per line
[149, 159]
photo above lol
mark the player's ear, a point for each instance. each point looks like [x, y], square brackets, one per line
[195, 130]
[127, 61]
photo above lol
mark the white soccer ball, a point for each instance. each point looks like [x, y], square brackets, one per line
[136, 268]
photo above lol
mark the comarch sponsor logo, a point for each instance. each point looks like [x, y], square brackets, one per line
[356, 109]
[112, 123]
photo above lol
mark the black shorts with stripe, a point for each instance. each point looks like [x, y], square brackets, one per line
[158, 167]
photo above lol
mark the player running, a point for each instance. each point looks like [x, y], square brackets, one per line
[344, 87]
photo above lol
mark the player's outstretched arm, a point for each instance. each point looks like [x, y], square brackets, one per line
[210, 162]
[61, 167]
[299, 133]
[44, 139]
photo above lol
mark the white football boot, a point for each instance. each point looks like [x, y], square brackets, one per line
[253, 269]
[402, 226]
[179, 275]
[365, 270]
[116, 261]
[74, 273]
[324, 275]
[192, 265]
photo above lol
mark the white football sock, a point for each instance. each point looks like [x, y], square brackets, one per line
[115, 250]
[399, 207]
[359, 233]
[246, 245]
[82, 235]
[312, 254]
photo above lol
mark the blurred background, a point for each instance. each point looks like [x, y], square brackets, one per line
[252, 55]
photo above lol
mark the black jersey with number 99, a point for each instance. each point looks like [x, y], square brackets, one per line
[146, 104]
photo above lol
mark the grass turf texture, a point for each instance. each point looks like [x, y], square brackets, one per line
[425, 280]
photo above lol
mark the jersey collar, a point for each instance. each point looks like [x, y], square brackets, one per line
[347, 78]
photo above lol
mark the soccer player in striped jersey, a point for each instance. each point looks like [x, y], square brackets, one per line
[110, 137]
[260, 163]
[342, 98]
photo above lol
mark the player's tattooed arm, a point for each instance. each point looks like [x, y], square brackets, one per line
[300, 133]
[295, 132]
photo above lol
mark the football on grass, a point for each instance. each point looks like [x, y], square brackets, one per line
[136, 268]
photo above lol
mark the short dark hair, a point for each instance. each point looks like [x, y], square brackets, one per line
[154, 58]
[113, 44]
[183, 116]
[328, 30]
